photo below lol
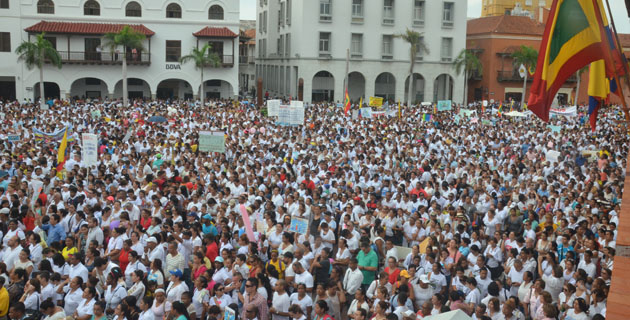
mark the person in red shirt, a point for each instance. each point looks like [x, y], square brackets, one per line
[392, 270]
[212, 250]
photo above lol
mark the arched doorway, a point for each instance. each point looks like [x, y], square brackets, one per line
[174, 89]
[323, 87]
[443, 87]
[88, 88]
[51, 91]
[356, 85]
[218, 89]
[136, 89]
[385, 86]
[417, 91]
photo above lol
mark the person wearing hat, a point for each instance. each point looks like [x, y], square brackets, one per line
[176, 286]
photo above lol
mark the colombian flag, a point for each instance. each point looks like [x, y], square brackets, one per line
[61, 154]
[574, 37]
[599, 89]
[347, 103]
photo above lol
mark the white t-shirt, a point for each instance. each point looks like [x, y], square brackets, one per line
[305, 278]
[304, 303]
[281, 303]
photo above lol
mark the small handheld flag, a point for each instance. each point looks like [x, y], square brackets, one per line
[500, 109]
[347, 104]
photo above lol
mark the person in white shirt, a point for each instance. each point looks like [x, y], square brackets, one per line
[353, 278]
[11, 253]
[302, 276]
[176, 287]
[74, 295]
[281, 302]
[77, 269]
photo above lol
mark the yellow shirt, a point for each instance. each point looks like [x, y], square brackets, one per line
[4, 302]
[67, 252]
[279, 266]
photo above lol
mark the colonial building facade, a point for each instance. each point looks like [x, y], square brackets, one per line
[90, 70]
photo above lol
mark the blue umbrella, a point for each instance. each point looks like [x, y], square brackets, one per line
[157, 119]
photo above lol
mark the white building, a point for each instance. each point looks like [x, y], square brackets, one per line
[76, 27]
[302, 45]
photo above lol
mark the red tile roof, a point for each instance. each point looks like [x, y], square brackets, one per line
[250, 34]
[506, 25]
[208, 32]
[84, 28]
[624, 38]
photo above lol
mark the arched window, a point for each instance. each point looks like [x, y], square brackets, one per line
[92, 8]
[45, 6]
[215, 13]
[133, 9]
[173, 10]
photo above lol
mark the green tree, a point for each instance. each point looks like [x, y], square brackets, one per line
[202, 58]
[417, 44]
[127, 38]
[469, 63]
[527, 56]
[35, 54]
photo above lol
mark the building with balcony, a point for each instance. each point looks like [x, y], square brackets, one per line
[302, 45]
[90, 70]
[494, 39]
[247, 59]
[491, 8]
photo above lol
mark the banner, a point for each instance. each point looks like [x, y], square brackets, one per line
[568, 111]
[90, 149]
[291, 115]
[554, 128]
[376, 102]
[355, 114]
[13, 137]
[466, 112]
[52, 136]
[444, 105]
[366, 112]
[272, 108]
[299, 225]
[212, 141]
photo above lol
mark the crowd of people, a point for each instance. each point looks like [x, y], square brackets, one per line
[408, 216]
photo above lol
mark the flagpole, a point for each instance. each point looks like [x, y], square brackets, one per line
[610, 58]
[347, 75]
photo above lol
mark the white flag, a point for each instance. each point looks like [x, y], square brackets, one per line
[522, 71]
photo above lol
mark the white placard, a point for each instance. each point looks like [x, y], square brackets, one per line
[552, 156]
[273, 108]
[297, 114]
[90, 149]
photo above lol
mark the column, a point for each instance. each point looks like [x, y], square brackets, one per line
[370, 87]
[429, 81]
[308, 89]
[400, 88]
[340, 91]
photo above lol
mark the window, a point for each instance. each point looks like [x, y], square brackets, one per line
[4, 4]
[288, 15]
[447, 49]
[173, 10]
[264, 47]
[52, 40]
[260, 21]
[260, 48]
[388, 47]
[357, 8]
[133, 9]
[324, 42]
[5, 42]
[388, 11]
[280, 45]
[45, 6]
[173, 50]
[447, 17]
[287, 51]
[281, 15]
[215, 12]
[418, 12]
[91, 8]
[356, 48]
[325, 10]
[265, 21]
[420, 53]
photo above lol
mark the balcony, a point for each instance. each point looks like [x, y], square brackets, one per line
[510, 75]
[227, 61]
[246, 59]
[105, 58]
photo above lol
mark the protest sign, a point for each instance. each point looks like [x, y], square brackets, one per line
[569, 111]
[552, 156]
[376, 102]
[444, 105]
[299, 225]
[554, 128]
[230, 314]
[13, 137]
[90, 149]
[273, 108]
[212, 141]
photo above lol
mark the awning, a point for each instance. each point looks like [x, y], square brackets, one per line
[208, 32]
[84, 28]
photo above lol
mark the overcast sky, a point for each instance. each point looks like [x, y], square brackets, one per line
[248, 12]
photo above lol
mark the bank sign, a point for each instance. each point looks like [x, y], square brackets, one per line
[173, 66]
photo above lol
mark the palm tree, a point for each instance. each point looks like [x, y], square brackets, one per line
[579, 80]
[528, 57]
[35, 54]
[469, 63]
[202, 58]
[417, 44]
[128, 38]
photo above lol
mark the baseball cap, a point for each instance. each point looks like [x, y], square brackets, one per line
[218, 259]
[178, 273]
[424, 279]
[405, 274]
[152, 239]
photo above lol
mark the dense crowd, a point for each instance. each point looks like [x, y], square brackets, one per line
[408, 217]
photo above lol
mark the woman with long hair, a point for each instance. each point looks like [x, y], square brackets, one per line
[198, 265]
[380, 309]
[321, 310]
[31, 297]
[74, 296]
[155, 274]
[85, 309]
[98, 313]
[179, 312]
[579, 310]
[145, 309]
[138, 288]
[302, 299]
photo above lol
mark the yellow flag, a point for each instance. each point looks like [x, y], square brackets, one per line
[61, 154]
[361, 103]
[399, 111]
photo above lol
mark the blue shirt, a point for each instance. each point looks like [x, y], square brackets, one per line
[56, 233]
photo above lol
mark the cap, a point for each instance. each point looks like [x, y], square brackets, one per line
[218, 259]
[4, 211]
[178, 273]
[425, 279]
[110, 198]
[152, 239]
[159, 155]
[405, 274]
[207, 216]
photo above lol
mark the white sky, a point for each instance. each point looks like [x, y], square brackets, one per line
[248, 12]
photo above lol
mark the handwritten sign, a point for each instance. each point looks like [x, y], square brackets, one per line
[212, 141]
[90, 149]
[272, 108]
[299, 225]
